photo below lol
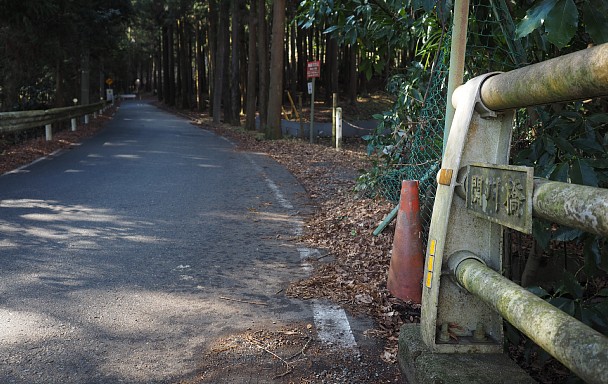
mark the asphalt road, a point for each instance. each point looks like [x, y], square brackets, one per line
[122, 258]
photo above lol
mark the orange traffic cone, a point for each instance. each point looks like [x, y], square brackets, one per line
[407, 259]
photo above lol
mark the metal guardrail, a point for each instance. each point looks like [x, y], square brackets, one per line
[576, 76]
[579, 347]
[18, 121]
[572, 205]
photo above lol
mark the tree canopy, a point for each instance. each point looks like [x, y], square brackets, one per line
[42, 44]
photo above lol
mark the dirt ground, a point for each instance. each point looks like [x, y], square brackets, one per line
[287, 355]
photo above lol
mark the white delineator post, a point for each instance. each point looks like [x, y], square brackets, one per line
[338, 128]
[48, 132]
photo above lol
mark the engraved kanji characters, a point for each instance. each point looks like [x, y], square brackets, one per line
[515, 197]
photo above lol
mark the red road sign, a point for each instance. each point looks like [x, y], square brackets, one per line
[313, 69]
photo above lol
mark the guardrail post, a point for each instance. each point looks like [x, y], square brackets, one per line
[73, 123]
[48, 132]
[334, 105]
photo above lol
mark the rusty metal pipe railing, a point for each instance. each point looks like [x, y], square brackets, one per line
[576, 206]
[579, 347]
[576, 76]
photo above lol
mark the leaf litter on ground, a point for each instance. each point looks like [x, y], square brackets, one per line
[341, 227]
[353, 268]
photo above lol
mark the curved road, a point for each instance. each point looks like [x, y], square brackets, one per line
[118, 257]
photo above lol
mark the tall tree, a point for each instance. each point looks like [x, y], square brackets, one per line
[85, 77]
[302, 57]
[251, 68]
[221, 59]
[171, 51]
[262, 31]
[185, 63]
[293, 72]
[331, 59]
[352, 73]
[166, 63]
[212, 43]
[275, 96]
[52, 43]
[235, 69]
[201, 74]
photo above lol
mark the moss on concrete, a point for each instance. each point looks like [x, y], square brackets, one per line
[420, 366]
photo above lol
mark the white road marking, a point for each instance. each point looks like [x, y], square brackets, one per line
[24, 167]
[227, 140]
[278, 194]
[305, 253]
[333, 327]
[331, 322]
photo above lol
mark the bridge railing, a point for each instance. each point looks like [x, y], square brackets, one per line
[465, 297]
[18, 121]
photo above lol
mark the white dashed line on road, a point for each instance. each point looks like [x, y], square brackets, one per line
[330, 320]
[271, 184]
[333, 327]
[278, 194]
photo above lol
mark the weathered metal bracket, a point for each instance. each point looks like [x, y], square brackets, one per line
[454, 229]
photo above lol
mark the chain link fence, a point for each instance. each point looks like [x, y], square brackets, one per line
[491, 46]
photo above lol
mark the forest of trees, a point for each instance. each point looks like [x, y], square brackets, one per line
[52, 52]
[234, 58]
[241, 57]
[227, 57]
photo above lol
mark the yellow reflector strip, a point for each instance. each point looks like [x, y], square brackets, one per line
[431, 262]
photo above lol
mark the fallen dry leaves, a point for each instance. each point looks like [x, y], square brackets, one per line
[353, 267]
[286, 355]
